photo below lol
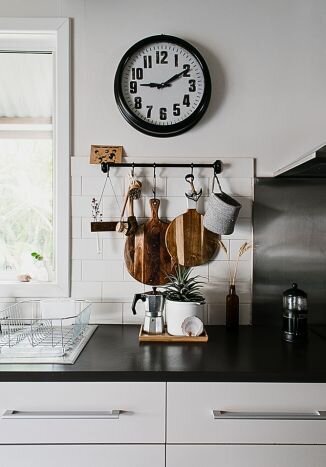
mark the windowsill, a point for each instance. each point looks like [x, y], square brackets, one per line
[11, 282]
[32, 289]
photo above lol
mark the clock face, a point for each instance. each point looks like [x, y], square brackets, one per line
[162, 86]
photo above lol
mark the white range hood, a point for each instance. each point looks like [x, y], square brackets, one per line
[312, 165]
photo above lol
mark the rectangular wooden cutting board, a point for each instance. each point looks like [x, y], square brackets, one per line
[165, 337]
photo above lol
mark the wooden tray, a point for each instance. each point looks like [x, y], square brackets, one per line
[165, 337]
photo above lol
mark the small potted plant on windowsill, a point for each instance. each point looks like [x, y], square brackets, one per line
[183, 299]
[45, 272]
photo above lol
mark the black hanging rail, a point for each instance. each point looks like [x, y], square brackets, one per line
[217, 165]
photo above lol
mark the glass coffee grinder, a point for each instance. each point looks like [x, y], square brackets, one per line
[295, 315]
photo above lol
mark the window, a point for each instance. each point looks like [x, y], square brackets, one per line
[34, 156]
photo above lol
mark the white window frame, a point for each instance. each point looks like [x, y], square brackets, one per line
[60, 29]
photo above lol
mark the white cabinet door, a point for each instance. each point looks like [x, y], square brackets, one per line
[77, 413]
[82, 456]
[258, 413]
[245, 456]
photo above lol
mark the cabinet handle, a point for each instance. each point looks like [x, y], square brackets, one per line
[17, 414]
[223, 415]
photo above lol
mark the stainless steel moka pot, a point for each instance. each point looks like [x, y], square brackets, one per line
[154, 305]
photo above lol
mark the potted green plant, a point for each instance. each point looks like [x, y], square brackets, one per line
[183, 299]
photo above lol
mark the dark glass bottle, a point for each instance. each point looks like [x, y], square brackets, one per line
[232, 309]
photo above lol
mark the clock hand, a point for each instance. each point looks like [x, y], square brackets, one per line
[153, 85]
[173, 78]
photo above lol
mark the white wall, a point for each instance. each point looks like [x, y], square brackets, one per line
[267, 60]
[268, 67]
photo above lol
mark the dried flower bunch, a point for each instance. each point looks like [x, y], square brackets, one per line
[246, 246]
[96, 214]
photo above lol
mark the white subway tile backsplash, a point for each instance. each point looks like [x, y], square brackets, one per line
[113, 248]
[76, 186]
[81, 206]
[235, 186]
[126, 276]
[219, 270]
[129, 317]
[148, 185]
[112, 207]
[235, 245]
[169, 207]
[103, 277]
[178, 186]
[106, 313]
[220, 254]
[201, 271]
[246, 206]
[108, 270]
[83, 289]
[242, 229]
[215, 292]
[232, 167]
[76, 268]
[80, 167]
[93, 186]
[121, 291]
[86, 248]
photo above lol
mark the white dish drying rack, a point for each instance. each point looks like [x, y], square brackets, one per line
[43, 330]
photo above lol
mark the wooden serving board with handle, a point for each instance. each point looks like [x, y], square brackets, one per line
[146, 256]
[188, 241]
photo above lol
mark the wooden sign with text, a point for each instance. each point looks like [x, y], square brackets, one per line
[101, 154]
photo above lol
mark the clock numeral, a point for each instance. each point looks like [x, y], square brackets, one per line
[149, 111]
[147, 61]
[186, 66]
[137, 73]
[192, 85]
[186, 100]
[163, 113]
[162, 57]
[176, 110]
[138, 103]
[133, 87]
[176, 60]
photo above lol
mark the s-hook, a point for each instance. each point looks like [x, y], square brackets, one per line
[193, 194]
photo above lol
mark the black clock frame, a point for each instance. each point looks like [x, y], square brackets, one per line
[150, 128]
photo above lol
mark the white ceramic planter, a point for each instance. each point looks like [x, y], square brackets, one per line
[177, 312]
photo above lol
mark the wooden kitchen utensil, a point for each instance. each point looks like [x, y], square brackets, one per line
[146, 256]
[187, 240]
[131, 221]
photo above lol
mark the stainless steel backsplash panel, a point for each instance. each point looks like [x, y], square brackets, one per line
[289, 220]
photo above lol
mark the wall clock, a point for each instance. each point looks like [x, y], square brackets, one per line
[162, 86]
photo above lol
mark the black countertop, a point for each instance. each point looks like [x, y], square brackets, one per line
[253, 354]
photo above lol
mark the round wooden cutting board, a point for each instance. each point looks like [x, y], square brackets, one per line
[188, 241]
[146, 256]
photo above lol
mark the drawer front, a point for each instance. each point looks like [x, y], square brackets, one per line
[258, 413]
[49, 413]
[83, 456]
[245, 456]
